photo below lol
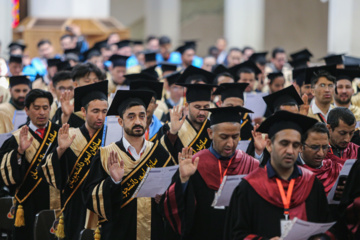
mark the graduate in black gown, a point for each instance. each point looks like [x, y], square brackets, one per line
[261, 200]
[20, 155]
[117, 170]
[188, 201]
[67, 166]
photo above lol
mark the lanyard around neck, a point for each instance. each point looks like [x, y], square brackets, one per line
[286, 199]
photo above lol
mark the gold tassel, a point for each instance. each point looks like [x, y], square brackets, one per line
[97, 234]
[60, 233]
[19, 219]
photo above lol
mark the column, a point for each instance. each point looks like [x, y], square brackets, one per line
[5, 26]
[244, 23]
[162, 17]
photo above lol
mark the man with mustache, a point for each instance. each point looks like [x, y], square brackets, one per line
[117, 170]
[19, 87]
[302, 85]
[281, 190]
[66, 167]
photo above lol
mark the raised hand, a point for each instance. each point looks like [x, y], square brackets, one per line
[176, 119]
[24, 141]
[66, 107]
[186, 166]
[115, 166]
[64, 139]
[259, 141]
[304, 109]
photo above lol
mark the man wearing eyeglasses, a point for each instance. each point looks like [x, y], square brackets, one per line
[323, 86]
[315, 145]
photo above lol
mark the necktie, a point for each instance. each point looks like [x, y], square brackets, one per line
[40, 132]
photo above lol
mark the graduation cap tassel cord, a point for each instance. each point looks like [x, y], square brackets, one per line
[60, 232]
[19, 219]
[97, 235]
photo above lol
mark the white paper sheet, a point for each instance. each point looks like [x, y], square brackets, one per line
[243, 145]
[256, 103]
[302, 230]
[19, 119]
[4, 137]
[155, 182]
[223, 195]
[344, 172]
[114, 131]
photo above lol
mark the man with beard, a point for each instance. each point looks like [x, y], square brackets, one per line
[20, 155]
[301, 83]
[19, 87]
[323, 85]
[341, 124]
[188, 131]
[66, 167]
[281, 190]
[315, 145]
[117, 170]
[187, 202]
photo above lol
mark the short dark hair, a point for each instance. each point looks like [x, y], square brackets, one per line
[66, 36]
[42, 42]
[226, 74]
[247, 48]
[61, 76]
[319, 127]
[340, 113]
[35, 94]
[150, 37]
[245, 70]
[320, 74]
[130, 104]
[84, 69]
[276, 51]
[234, 49]
[164, 40]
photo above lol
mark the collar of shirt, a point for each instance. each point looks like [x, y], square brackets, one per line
[303, 162]
[335, 106]
[172, 103]
[132, 150]
[33, 127]
[317, 110]
[217, 155]
[272, 173]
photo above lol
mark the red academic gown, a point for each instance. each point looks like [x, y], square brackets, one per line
[188, 211]
[350, 152]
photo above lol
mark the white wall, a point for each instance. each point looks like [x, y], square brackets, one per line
[5, 26]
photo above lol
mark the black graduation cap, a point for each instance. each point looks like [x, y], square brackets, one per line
[282, 120]
[140, 76]
[124, 97]
[189, 44]
[286, 96]
[299, 75]
[172, 77]
[101, 44]
[334, 59]
[245, 65]
[91, 53]
[137, 42]
[75, 51]
[219, 69]
[63, 65]
[272, 76]
[259, 57]
[314, 71]
[150, 56]
[15, 58]
[194, 73]
[118, 60]
[17, 44]
[123, 43]
[51, 62]
[85, 94]
[226, 114]
[165, 66]
[299, 63]
[197, 92]
[348, 74]
[155, 87]
[151, 71]
[16, 80]
[227, 90]
[302, 54]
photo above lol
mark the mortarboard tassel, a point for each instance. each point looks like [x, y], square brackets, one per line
[60, 233]
[19, 219]
[97, 235]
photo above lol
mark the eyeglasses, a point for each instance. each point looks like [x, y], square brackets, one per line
[323, 85]
[316, 148]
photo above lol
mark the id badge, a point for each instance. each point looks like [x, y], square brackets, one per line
[285, 226]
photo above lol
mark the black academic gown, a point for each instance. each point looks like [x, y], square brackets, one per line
[74, 120]
[246, 128]
[106, 198]
[60, 169]
[252, 217]
[39, 199]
